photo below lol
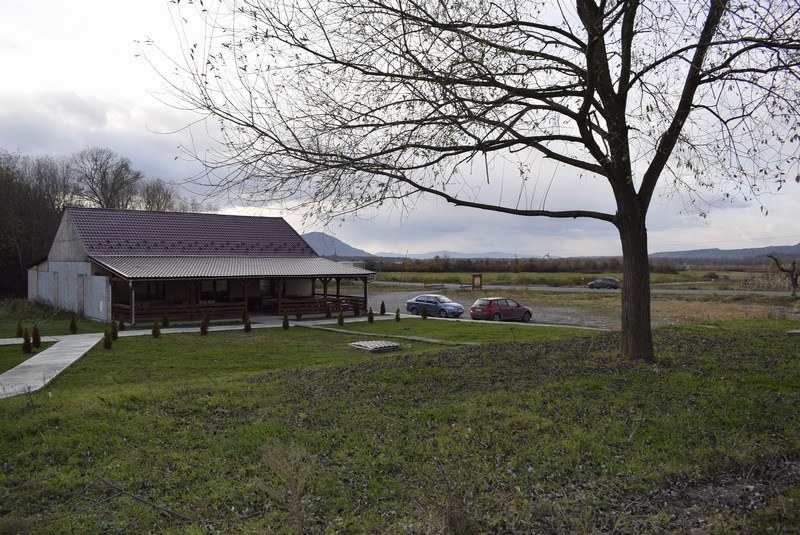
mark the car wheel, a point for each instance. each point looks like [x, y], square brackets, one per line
[526, 317]
[442, 313]
[496, 317]
[413, 310]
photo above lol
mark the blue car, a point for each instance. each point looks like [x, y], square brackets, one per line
[436, 305]
[604, 282]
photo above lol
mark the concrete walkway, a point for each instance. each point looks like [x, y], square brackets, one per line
[42, 368]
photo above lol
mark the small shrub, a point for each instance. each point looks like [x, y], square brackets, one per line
[165, 320]
[247, 325]
[383, 308]
[423, 312]
[298, 315]
[26, 341]
[107, 339]
[370, 316]
[73, 325]
[397, 315]
[36, 338]
[114, 330]
[156, 329]
[121, 323]
[340, 318]
[285, 323]
[204, 323]
[19, 329]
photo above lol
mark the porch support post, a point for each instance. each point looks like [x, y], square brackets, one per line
[191, 285]
[245, 284]
[325, 287]
[338, 287]
[366, 296]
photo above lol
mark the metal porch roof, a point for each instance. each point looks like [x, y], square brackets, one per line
[214, 267]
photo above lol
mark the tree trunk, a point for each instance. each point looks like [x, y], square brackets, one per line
[637, 334]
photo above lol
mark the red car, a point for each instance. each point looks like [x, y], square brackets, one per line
[499, 308]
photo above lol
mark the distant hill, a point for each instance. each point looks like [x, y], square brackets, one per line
[326, 245]
[788, 252]
[453, 254]
[329, 246]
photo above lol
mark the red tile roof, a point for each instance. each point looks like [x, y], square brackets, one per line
[134, 233]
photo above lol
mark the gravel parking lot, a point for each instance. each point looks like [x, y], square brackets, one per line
[543, 315]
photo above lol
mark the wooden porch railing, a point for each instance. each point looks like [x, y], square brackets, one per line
[312, 305]
[146, 313]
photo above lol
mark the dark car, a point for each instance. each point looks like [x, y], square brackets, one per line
[499, 308]
[605, 282]
[436, 305]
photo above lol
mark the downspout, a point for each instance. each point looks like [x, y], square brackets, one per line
[133, 303]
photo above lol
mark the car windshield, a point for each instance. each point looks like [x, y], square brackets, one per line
[443, 299]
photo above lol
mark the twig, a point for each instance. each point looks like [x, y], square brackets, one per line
[166, 510]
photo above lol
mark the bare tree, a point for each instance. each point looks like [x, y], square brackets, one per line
[28, 221]
[791, 272]
[194, 205]
[105, 179]
[155, 194]
[344, 105]
[53, 179]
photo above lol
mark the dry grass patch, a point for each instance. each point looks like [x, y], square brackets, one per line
[681, 309]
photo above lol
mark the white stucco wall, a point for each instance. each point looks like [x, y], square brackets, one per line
[71, 286]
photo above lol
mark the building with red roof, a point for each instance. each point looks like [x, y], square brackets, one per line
[106, 263]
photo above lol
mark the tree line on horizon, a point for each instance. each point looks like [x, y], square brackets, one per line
[599, 265]
[36, 189]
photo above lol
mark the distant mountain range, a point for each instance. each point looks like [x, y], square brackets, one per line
[788, 252]
[328, 246]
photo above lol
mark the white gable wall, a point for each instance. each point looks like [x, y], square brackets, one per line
[66, 279]
[67, 245]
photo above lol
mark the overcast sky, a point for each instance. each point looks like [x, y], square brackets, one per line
[72, 79]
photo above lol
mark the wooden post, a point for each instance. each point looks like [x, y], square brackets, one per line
[366, 291]
[245, 284]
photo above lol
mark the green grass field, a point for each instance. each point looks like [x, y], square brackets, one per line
[293, 431]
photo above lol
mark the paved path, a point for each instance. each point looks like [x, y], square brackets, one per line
[42, 368]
